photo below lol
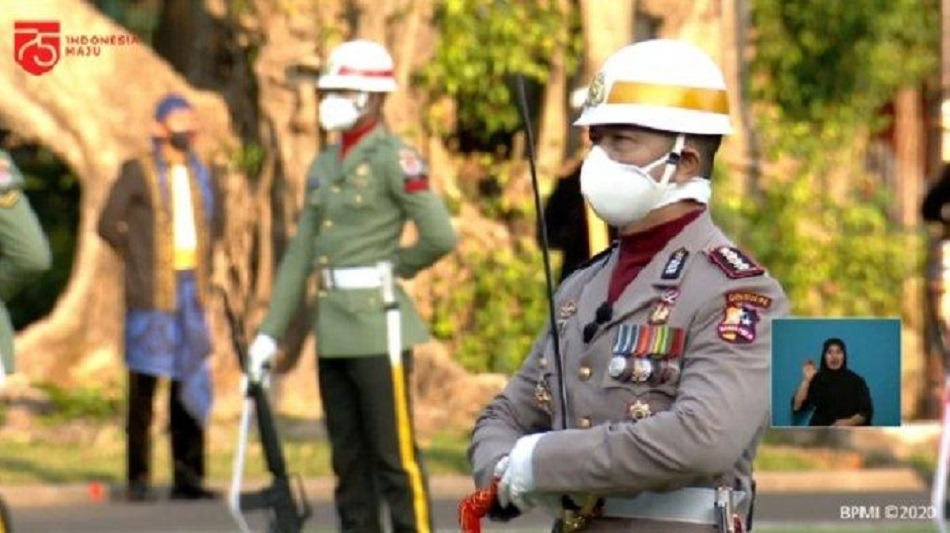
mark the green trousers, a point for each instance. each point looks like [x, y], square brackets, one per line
[374, 453]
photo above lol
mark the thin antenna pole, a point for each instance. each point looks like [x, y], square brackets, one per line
[555, 337]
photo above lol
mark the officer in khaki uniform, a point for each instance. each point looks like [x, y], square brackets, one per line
[665, 338]
[361, 194]
[24, 250]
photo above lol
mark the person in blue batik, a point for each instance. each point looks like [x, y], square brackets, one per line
[161, 218]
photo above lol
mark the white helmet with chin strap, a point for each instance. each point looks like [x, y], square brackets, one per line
[661, 84]
[664, 85]
[359, 65]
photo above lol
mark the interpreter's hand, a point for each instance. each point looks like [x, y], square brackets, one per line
[259, 356]
[808, 370]
[517, 483]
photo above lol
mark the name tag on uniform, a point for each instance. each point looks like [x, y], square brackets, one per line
[657, 341]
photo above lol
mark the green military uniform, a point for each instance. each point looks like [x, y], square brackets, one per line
[24, 250]
[354, 215]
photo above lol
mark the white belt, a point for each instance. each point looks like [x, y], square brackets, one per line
[364, 277]
[691, 504]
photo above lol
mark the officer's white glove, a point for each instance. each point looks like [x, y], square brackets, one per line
[259, 356]
[501, 467]
[518, 480]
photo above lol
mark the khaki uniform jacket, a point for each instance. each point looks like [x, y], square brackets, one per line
[24, 250]
[354, 216]
[700, 430]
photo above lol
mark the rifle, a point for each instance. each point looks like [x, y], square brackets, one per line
[287, 511]
[484, 502]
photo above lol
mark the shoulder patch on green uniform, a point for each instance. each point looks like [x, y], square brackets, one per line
[415, 170]
[10, 198]
[734, 262]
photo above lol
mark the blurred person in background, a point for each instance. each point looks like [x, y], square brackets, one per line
[162, 217]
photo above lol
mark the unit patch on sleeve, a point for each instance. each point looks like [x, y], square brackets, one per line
[416, 171]
[734, 263]
[739, 319]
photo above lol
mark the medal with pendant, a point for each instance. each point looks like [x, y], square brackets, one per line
[660, 313]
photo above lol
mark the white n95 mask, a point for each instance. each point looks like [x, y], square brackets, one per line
[339, 112]
[622, 194]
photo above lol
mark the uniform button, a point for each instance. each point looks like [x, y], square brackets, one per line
[543, 362]
[328, 224]
[335, 189]
[639, 410]
[324, 260]
[359, 198]
[584, 373]
[584, 422]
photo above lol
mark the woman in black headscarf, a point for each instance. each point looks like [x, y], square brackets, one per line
[840, 397]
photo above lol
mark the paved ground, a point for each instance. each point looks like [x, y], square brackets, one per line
[85, 509]
[775, 512]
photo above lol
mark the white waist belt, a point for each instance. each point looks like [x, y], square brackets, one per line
[691, 504]
[365, 277]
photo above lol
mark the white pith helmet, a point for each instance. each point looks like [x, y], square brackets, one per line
[661, 84]
[359, 65]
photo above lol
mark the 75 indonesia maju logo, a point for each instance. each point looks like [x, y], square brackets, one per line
[36, 45]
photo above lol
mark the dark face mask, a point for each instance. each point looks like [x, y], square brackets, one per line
[180, 140]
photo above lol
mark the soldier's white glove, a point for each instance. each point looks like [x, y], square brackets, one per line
[518, 480]
[259, 356]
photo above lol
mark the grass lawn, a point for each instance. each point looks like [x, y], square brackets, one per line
[81, 438]
[70, 451]
[97, 453]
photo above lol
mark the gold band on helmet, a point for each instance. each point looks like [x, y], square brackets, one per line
[696, 99]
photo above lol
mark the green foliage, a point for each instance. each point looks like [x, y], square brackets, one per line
[482, 44]
[83, 402]
[140, 18]
[833, 257]
[822, 73]
[495, 316]
[830, 66]
[250, 158]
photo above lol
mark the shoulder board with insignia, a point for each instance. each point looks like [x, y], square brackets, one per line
[674, 265]
[734, 263]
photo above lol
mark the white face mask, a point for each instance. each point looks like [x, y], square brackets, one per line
[339, 112]
[623, 194]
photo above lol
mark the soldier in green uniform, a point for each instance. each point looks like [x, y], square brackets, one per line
[361, 193]
[24, 250]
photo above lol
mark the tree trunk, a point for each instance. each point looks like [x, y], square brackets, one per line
[93, 112]
[607, 26]
[552, 133]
